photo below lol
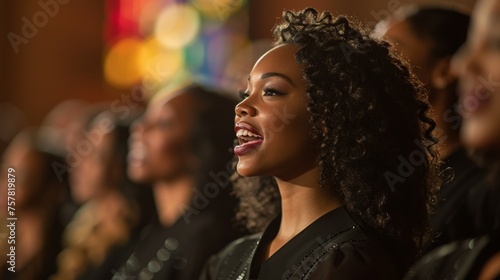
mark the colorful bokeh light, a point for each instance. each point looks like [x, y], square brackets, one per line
[218, 9]
[177, 25]
[122, 64]
[153, 41]
[159, 63]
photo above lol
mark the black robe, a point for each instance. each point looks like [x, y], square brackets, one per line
[334, 246]
[177, 252]
[462, 260]
[463, 203]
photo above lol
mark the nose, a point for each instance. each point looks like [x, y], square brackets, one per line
[137, 125]
[245, 108]
[464, 62]
[136, 130]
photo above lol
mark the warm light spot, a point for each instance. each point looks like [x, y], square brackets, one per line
[177, 25]
[218, 9]
[121, 66]
[159, 64]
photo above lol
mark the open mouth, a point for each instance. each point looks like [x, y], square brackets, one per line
[245, 137]
[248, 139]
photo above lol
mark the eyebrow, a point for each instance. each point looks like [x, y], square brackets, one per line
[275, 74]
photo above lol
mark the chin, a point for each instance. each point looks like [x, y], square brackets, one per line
[137, 176]
[480, 137]
[80, 198]
[246, 170]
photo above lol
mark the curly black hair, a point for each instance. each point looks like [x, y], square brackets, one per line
[369, 114]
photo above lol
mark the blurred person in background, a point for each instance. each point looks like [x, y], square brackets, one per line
[61, 118]
[428, 37]
[61, 125]
[112, 207]
[181, 146]
[37, 202]
[12, 121]
[478, 64]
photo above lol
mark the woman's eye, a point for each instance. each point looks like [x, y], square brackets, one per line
[243, 94]
[272, 92]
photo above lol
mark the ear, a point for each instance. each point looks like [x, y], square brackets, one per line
[441, 74]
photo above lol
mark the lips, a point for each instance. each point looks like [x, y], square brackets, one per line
[137, 154]
[248, 137]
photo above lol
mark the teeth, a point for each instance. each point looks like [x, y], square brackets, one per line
[244, 132]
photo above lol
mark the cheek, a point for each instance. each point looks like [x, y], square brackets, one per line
[93, 171]
[23, 191]
[297, 129]
[167, 151]
[87, 179]
[29, 186]
[284, 122]
[491, 60]
[483, 132]
[290, 137]
[164, 149]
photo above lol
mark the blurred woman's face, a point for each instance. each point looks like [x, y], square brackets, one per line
[92, 176]
[478, 64]
[28, 166]
[272, 121]
[159, 144]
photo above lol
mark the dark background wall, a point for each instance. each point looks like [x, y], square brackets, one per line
[61, 61]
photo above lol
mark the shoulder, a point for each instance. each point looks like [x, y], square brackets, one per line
[356, 259]
[356, 254]
[232, 256]
[240, 248]
[458, 260]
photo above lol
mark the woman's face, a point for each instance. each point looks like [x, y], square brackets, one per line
[92, 175]
[159, 146]
[478, 64]
[272, 122]
[28, 166]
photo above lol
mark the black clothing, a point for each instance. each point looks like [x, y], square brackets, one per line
[43, 264]
[334, 246]
[464, 209]
[461, 260]
[464, 259]
[177, 252]
[142, 195]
